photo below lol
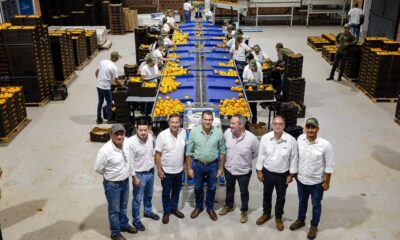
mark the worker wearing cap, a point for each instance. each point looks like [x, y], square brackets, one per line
[149, 71]
[144, 62]
[314, 170]
[158, 54]
[113, 164]
[231, 42]
[343, 41]
[229, 32]
[171, 20]
[166, 40]
[253, 75]
[106, 73]
[259, 55]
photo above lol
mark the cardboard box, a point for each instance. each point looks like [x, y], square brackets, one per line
[131, 19]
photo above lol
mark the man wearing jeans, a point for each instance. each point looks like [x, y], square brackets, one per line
[105, 74]
[315, 167]
[241, 149]
[276, 165]
[113, 163]
[205, 143]
[141, 152]
[187, 9]
[170, 150]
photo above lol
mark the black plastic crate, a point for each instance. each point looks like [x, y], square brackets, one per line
[59, 92]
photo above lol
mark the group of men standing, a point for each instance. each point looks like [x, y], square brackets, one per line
[207, 154]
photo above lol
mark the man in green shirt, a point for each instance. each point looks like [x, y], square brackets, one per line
[204, 145]
[343, 41]
[282, 53]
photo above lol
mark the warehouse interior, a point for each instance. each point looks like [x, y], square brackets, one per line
[50, 191]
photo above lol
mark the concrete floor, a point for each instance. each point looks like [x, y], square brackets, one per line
[51, 192]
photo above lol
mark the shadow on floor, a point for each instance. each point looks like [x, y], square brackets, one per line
[59, 230]
[97, 220]
[386, 156]
[19, 212]
[84, 120]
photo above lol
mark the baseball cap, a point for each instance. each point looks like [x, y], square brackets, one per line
[253, 64]
[346, 25]
[257, 47]
[239, 31]
[312, 121]
[117, 127]
[151, 58]
[115, 54]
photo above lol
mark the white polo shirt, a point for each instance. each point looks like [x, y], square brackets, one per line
[187, 6]
[141, 153]
[149, 72]
[261, 57]
[172, 150]
[315, 159]
[248, 74]
[166, 27]
[171, 20]
[240, 152]
[355, 15]
[277, 156]
[158, 55]
[167, 42]
[240, 53]
[107, 73]
[113, 163]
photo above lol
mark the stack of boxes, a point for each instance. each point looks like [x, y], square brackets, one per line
[116, 19]
[27, 51]
[63, 54]
[79, 45]
[317, 42]
[328, 53]
[91, 42]
[12, 109]
[121, 106]
[140, 38]
[352, 68]
[89, 13]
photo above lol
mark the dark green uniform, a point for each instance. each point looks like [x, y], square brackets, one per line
[282, 53]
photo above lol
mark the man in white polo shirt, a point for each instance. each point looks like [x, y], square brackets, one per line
[242, 148]
[113, 164]
[141, 152]
[170, 150]
[276, 165]
[315, 167]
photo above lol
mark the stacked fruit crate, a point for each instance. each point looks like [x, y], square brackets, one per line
[27, 51]
[289, 111]
[79, 45]
[293, 89]
[316, 42]
[116, 19]
[63, 54]
[91, 42]
[328, 53]
[12, 109]
[294, 65]
[352, 68]
[121, 106]
[4, 62]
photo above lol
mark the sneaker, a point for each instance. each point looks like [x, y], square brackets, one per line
[243, 217]
[312, 233]
[297, 224]
[118, 237]
[225, 210]
[261, 220]
[152, 216]
[99, 121]
[329, 78]
[139, 226]
[129, 229]
[279, 224]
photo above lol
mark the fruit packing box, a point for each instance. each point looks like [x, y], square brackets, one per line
[259, 92]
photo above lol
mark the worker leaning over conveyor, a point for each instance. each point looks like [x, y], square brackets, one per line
[238, 51]
[150, 71]
[259, 55]
[158, 54]
[171, 20]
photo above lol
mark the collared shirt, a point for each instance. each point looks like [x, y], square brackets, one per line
[355, 15]
[277, 156]
[250, 76]
[342, 39]
[144, 63]
[149, 72]
[167, 42]
[240, 152]
[107, 73]
[171, 20]
[166, 27]
[205, 147]
[240, 53]
[261, 57]
[315, 159]
[158, 55]
[172, 150]
[187, 6]
[113, 163]
[141, 153]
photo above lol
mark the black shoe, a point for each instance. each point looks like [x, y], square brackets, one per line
[165, 218]
[152, 216]
[118, 237]
[139, 226]
[329, 78]
[129, 229]
[110, 121]
[339, 79]
[177, 213]
[99, 121]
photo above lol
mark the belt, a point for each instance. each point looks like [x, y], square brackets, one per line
[105, 180]
[284, 174]
[205, 163]
[149, 171]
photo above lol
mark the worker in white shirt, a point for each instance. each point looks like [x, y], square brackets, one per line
[171, 20]
[158, 54]
[315, 167]
[170, 150]
[355, 14]
[252, 75]
[229, 33]
[187, 10]
[259, 55]
[276, 166]
[106, 73]
[113, 164]
[166, 40]
[141, 153]
[144, 63]
[242, 147]
[231, 42]
[165, 25]
[238, 51]
[149, 72]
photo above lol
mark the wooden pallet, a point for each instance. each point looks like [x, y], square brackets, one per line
[68, 81]
[397, 120]
[39, 104]
[375, 99]
[15, 131]
[315, 49]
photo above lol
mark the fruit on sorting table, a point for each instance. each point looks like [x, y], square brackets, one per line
[169, 84]
[236, 89]
[187, 97]
[237, 81]
[167, 107]
[240, 95]
[10, 89]
[134, 79]
[173, 55]
[230, 107]
[174, 70]
[150, 85]
[228, 64]
[180, 37]
[230, 72]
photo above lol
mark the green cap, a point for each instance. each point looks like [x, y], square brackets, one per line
[312, 121]
[257, 47]
[151, 58]
[115, 54]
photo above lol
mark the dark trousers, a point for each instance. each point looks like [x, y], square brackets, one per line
[104, 94]
[170, 193]
[243, 181]
[275, 181]
[342, 58]
[253, 109]
[277, 82]
[1, 235]
[304, 192]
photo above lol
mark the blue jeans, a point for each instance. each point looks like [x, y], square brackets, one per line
[187, 16]
[172, 185]
[203, 173]
[304, 192]
[117, 199]
[342, 58]
[107, 94]
[356, 30]
[145, 192]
